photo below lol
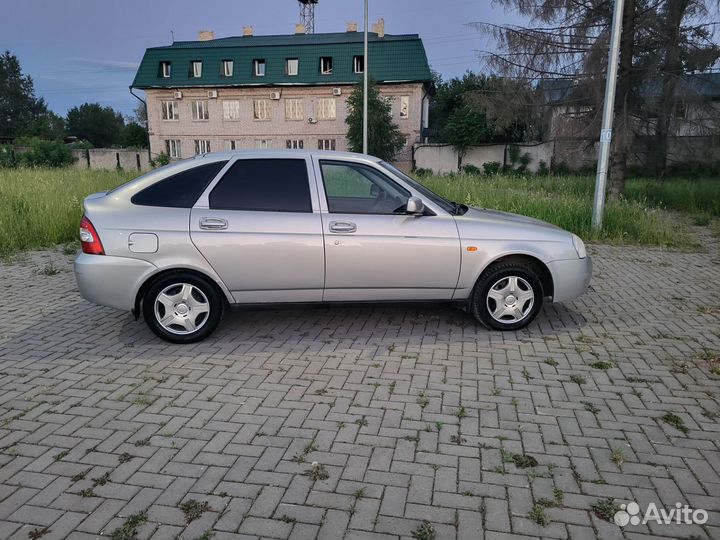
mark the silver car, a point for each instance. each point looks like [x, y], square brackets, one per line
[182, 242]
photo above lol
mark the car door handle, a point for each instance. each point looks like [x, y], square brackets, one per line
[213, 224]
[342, 227]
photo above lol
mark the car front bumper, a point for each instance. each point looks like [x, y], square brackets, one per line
[111, 281]
[570, 278]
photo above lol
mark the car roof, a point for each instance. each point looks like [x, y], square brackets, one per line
[270, 153]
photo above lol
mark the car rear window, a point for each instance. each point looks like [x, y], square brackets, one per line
[265, 185]
[180, 190]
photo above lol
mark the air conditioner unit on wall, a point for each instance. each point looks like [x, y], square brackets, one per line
[274, 95]
[178, 94]
[212, 94]
[337, 91]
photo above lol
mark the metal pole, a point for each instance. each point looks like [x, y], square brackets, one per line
[607, 118]
[365, 84]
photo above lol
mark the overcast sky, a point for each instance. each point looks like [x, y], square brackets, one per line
[88, 50]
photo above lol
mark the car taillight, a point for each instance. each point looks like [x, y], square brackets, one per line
[89, 238]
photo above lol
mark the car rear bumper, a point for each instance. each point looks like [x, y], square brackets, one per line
[570, 278]
[111, 281]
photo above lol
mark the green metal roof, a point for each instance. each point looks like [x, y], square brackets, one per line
[397, 58]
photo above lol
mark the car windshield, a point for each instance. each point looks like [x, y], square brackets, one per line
[448, 206]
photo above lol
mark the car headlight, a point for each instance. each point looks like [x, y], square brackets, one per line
[579, 246]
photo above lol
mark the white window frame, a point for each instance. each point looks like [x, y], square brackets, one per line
[326, 109]
[404, 107]
[166, 67]
[292, 66]
[327, 144]
[326, 65]
[261, 109]
[196, 68]
[231, 110]
[358, 60]
[262, 144]
[228, 66]
[257, 63]
[173, 148]
[294, 144]
[170, 111]
[200, 112]
[294, 109]
[202, 146]
[233, 144]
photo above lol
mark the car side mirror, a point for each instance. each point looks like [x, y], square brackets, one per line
[414, 206]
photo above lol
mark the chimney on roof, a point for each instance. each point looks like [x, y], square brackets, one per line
[300, 28]
[379, 27]
[351, 27]
[247, 31]
[206, 35]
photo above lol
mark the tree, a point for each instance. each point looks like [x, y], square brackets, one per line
[101, 126]
[133, 135]
[467, 126]
[49, 126]
[18, 104]
[384, 137]
[660, 41]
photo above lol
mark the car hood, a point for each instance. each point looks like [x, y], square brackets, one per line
[497, 217]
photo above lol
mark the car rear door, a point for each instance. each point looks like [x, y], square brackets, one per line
[259, 226]
[373, 249]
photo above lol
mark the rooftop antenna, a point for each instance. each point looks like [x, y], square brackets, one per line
[307, 15]
[172, 36]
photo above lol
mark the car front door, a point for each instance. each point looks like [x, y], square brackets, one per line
[259, 226]
[373, 249]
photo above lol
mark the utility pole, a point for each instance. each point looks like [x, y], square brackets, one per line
[366, 63]
[607, 118]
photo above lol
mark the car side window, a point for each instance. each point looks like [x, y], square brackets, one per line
[263, 185]
[180, 190]
[353, 188]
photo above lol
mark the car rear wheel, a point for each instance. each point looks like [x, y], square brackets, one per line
[182, 307]
[507, 296]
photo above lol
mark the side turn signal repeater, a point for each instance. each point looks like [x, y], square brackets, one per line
[471, 248]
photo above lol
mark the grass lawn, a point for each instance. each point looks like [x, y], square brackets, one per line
[42, 207]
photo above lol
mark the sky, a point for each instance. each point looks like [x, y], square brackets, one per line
[88, 50]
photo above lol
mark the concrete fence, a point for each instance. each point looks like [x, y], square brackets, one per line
[443, 158]
[108, 158]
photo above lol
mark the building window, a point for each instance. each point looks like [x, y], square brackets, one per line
[262, 144]
[196, 69]
[227, 68]
[231, 110]
[259, 67]
[165, 69]
[404, 106]
[291, 66]
[202, 146]
[358, 64]
[170, 110]
[232, 145]
[261, 109]
[326, 109]
[172, 148]
[294, 109]
[326, 144]
[199, 110]
[294, 144]
[326, 65]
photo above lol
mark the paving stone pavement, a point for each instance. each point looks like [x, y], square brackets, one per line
[411, 413]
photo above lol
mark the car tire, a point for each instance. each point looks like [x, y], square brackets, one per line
[182, 307]
[507, 296]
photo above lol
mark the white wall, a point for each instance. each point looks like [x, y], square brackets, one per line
[443, 158]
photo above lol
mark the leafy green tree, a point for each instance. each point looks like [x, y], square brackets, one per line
[102, 126]
[18, 104]
[48, 126]
[384, 137]
[43, 153]
[466, 126]
[133, 135]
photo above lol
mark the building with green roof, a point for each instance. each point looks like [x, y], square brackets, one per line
[282, 91]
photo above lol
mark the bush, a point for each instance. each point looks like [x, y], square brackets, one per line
[492, 167]
[42, 153]
[161, 159]
[7, 157]
[542, 169]
[561, 168]
[471, 170]
[422, 172]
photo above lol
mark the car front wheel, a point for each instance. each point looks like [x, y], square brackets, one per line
[182, 308]
[507, 297]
